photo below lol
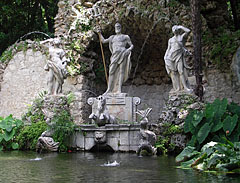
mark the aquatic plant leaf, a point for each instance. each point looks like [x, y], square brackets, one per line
[193, 141]
[187, 164]
[203, 132]
[187, 153]
[214, 160]
[208, 148]
[217, 125]
[188, 126]
[8, 135]
[1, 137]
[197, 118]
[15, 145]
[229, 123]
[237, 146]
[234, 109]
[220, 107]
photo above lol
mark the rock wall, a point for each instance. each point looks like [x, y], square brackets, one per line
[23, 79]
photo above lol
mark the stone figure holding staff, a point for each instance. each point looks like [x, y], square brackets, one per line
[120, 63]
[175, 62]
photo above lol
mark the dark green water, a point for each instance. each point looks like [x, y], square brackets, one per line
[23, 167]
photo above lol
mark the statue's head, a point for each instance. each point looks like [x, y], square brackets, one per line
[118, 28]
[175, 29]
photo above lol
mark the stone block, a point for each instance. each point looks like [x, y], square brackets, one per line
[89, 143]
[124, 138]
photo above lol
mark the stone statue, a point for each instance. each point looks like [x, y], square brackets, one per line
[46, 142]
[102, 116]
[56, 66]
[147, 137]
[175, 63]
[119, 68]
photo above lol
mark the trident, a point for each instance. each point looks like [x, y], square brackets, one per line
[96, 15]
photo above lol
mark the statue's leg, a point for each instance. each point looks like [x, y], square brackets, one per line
[175, 80]
[57, 88]
[183, 78]
[50, 82]
[121, 76]
[110, 81]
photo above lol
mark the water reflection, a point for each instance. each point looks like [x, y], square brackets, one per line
[86, 167]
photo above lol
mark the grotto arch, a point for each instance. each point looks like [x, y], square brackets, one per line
[148, 79]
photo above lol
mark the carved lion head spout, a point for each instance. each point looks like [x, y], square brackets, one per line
[100, 137]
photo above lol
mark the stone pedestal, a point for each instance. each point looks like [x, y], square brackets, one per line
[122, 107]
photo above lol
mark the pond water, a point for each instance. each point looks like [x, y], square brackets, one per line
[29, 167]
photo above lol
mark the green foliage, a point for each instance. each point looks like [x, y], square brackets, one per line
[28, 136]
[63, 127]
[23, 16]
[223, 46]
[224, 157]
[70, 98]
[218, 120]
[35, 113]
[163, 143]
[8, 129]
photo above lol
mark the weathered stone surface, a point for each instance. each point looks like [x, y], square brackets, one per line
[235, 66]
[23, 79]
[118, 137]
[122, 108]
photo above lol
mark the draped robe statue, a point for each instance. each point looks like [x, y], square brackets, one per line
[175, 62]
[120, 66]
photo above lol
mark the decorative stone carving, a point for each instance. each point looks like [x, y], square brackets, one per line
[175, 62]
[100, 137]
[46, 142]
[101, 116]
[147, 137]
[118, 105]
[120, 65]
[56, 66]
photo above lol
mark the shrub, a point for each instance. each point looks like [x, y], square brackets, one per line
[28, 136]
[63, 127]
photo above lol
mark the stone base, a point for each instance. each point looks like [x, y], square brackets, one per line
[123, 137]
[118, 105]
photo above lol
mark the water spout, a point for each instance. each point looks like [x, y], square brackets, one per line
[34, 32]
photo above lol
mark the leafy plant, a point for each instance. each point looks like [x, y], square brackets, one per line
[224, 157]
[63, 127]
[218, 120]
[8, 129]
[28, 136]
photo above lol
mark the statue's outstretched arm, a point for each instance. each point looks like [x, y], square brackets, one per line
[103, 40]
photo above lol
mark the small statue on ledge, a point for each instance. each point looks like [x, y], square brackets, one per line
[147, 137]
[46, 142]
[102, 116]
